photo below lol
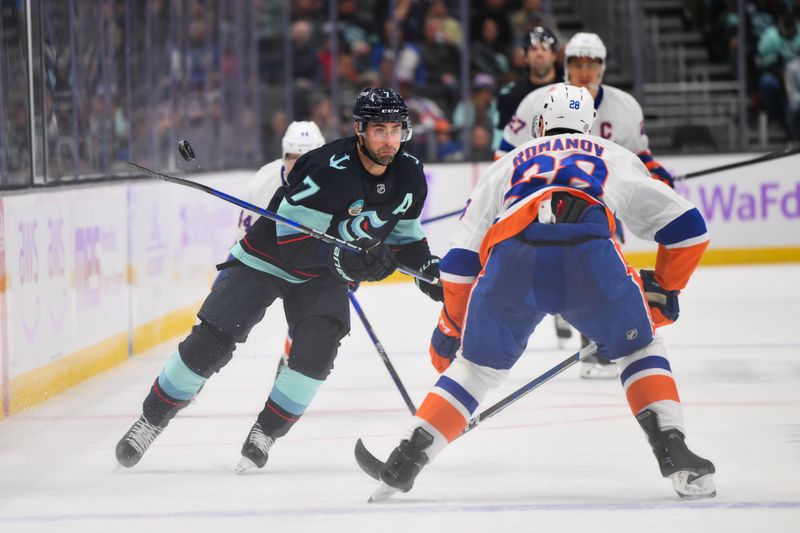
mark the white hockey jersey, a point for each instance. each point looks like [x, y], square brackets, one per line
[619, 119]
[260, 189]
[510, 193]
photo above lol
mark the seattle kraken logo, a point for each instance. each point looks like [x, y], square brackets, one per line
[359, 226]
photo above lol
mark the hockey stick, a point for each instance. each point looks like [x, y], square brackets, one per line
[275, 217]
[372, 465]
[383, 354]
[778, 154]
[440, 217]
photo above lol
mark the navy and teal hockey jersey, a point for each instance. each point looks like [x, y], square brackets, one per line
[330, 190]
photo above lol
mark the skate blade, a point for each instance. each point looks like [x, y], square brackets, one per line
[702, 487]
[245, 465]
[382, 493]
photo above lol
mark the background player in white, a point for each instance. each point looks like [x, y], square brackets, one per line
[300, 137]
[537, 238]
[619, 119]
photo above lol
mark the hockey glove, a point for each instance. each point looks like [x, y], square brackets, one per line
[374, 264]
[443, 349]
[431, 268]
[663, 304]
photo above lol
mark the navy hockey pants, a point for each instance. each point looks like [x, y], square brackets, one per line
[584, 278]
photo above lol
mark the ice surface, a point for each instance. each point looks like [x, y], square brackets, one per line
[568, 457]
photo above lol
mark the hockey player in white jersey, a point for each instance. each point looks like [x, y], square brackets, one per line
[619, 118]
[300, 137]
[536, 238]
[619, 115]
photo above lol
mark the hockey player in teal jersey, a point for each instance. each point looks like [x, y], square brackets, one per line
[364, 189]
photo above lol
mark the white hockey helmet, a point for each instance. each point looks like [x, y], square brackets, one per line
[585, 45]
[565, 107]
[301, 137]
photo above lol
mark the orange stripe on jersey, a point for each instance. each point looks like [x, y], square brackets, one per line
[674, 266]
[511, 225]
[651, 389]
[441, 414]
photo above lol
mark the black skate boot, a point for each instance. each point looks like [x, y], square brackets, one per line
[563, 330]
[135, 442]
[406, 461]
[691, 475]
[255, 450]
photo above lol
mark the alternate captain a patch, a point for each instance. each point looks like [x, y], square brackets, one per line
[356, 207]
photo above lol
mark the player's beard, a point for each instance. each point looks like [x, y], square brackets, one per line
[384, 156]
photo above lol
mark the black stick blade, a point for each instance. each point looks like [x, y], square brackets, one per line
[370, 464]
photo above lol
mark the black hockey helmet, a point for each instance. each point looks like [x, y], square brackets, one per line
[381, 104]
[543, 36]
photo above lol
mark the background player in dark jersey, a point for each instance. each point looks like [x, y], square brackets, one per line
[541, 55]
[365, 189]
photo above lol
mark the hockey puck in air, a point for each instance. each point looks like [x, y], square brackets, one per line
[186, 150]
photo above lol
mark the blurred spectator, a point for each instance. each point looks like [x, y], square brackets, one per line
[441, 61]
[541, 54]
[496, 10]
[322, 115]
[409, 58]
[425, 115]
[305, 63]
[482, 144]
[451, 27]
[487, 54]
[778, 45]
[447, 147]
[792, 80]
[356, 28]
[480, 109]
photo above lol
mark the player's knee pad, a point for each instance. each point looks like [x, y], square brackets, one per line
[315, 342]
[206, 349]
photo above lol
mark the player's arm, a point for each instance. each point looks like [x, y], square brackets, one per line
[659, 214]
[461, 265]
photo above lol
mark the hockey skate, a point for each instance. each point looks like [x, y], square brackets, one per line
[403, 465]
[563, 330]
[692, 476]
[135, 442]
[255, 450]
[594, 367]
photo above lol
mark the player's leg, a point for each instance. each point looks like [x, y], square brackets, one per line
[594, 366]
[236, 303]
[502, 315]
[611, 308]
[318, 313]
